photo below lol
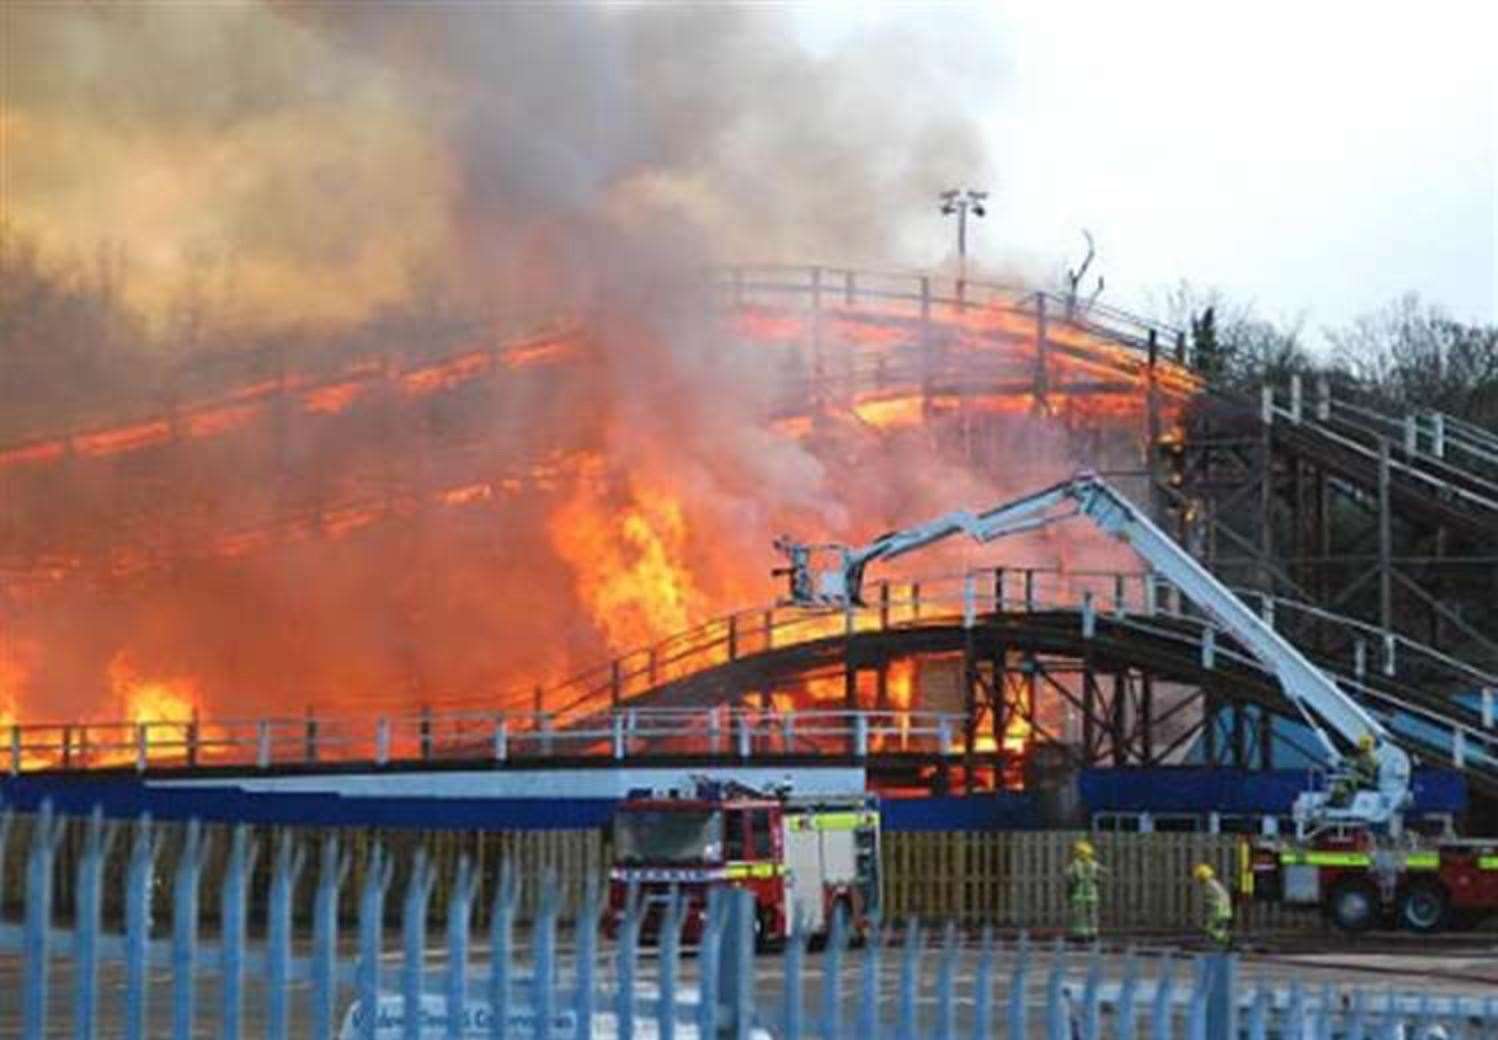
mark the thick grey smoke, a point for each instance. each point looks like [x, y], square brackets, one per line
[374, 165]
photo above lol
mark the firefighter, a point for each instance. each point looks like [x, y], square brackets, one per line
[1359, 772]
[1082, 892]
[1217, 910]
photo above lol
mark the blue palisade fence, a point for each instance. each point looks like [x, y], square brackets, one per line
[252, 970]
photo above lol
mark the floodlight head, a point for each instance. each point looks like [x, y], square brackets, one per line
[978, 210]
[977, 196]
[950, 195]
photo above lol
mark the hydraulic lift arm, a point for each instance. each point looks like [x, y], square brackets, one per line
[1317, 696]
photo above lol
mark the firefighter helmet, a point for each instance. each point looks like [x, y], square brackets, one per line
[1083, 848]
[1365, 742]
[1203, 872]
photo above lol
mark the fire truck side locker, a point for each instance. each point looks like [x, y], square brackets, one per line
[803, 872]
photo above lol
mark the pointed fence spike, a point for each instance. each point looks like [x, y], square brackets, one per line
[626, 961]
[288, 864]
[1018, 1011]
[1058, 1019]
[371, 941]
[1162, 1009]
[983, 986]
[586, 932]
[669, 943]
[544, 953]
[459, 916]
[502, 949]
[795, 960]
[138, 877]
[910, 981]
[97, 841]
[946, 968]
[37, 924]
[414, 944]
[868, 980]
[333, 865]
[185, 928]
[832, 973]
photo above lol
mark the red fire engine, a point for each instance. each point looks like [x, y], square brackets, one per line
[1361, 880]
[810, 855]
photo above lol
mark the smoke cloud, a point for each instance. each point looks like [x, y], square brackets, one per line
[309, 185]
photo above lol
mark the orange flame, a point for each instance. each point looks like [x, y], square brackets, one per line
[149, 701]
[627, 553]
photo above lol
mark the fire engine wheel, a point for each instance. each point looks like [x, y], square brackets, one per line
[1423, 907]
[1352, 905]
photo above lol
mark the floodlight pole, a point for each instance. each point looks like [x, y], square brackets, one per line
[959, 202]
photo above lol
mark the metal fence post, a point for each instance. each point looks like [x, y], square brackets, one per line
[371, 933]
[1018, 1011]
[501, 949]
[459, 911]
[1196, 1008]
[332, 869]
[288, 868]
[626, 956]
[832, 974]
[585, 928]
[97, 844]
[138, 926]
[1295, 1013]
[44, 837]
[185, 928]
[905, 1028]
[1128, 991]
[670, 966]
[414, 940]
[544, 955]
[1161, 1011]
[1058, 1026]
[233, 907]
[791, 984]
[709, 953]
[1258, 1014]
[382, 742]
[1091, 1015]
[735, 965]
[983, 986]
[946, 1009]
[868, 980]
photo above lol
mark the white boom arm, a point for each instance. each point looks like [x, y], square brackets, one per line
[1313, 692]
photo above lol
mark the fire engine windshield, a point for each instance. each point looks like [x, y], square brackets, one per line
[668, 837]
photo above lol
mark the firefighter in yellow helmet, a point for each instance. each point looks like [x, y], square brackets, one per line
[1082, 892]
[1358, 772]
[1217, 907]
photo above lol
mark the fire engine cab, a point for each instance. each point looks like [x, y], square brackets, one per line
[806, 855]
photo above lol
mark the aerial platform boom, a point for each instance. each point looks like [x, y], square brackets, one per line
[1316, 695]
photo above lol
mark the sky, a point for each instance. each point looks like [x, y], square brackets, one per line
[1313, 160]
